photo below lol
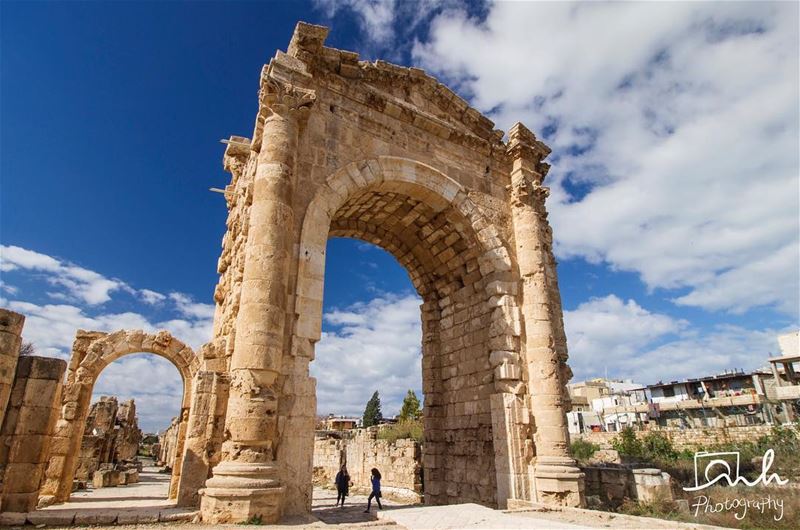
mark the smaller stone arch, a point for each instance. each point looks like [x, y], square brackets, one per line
[92, 351]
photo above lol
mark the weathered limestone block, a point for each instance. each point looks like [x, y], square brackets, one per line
[11, 324]
[204, 434]
[652, 484]
[28, 429]
[106, 478]
[131, 476]
[111, 436]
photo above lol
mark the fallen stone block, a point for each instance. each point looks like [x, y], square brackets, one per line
[105, 478]
[131, 476]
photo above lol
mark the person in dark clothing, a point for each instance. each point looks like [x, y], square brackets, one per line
[342, 485]
[376, 490]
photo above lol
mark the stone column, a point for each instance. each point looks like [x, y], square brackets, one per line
[556, 478]
[28, 429]
[10, 341]
[246, 483]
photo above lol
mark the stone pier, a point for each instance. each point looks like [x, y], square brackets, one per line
[28, 430]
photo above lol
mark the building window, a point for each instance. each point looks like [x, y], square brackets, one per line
[669, 391]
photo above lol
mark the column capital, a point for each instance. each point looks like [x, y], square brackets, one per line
[528, 154]
[281, 98]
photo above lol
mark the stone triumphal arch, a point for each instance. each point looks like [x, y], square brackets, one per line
[386, 154]
[92, 351]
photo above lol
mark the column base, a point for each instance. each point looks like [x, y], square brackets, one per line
[558, 481]
[242, 492]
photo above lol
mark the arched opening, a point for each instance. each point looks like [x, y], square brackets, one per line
[470, 321]
[134, 398]
[371, 343]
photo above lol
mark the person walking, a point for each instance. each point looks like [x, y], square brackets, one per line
[376, 490]
[342, 485]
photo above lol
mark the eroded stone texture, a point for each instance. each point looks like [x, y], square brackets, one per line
[10, 341]
[111, 436]
[168, 443]
[204, 434]
[387, 154]
[27, 430]
[400, 462]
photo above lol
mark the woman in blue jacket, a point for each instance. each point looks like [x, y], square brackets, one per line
[376, 490]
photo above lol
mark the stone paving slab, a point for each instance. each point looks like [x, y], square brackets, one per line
[468, 516]
[324, 508]
[135, 504]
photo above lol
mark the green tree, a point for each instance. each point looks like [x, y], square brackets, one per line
[410, 410]
[372, 413]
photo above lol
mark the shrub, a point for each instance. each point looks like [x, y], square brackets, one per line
[626, 443]
[404, 429]
[657, 446]
[583, 450]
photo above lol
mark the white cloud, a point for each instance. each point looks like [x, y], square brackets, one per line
[189, 308]
[151, 297]
[607, 333]
[375, 16]
[157, 402]
[10, 289]
[385, 24]
[82, 284]
[680, 118]
[628, 341]
[376, 347]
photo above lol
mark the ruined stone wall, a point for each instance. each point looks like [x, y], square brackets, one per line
[168, 441]
[111, 436]
[689, 438]
[98, 438]
[27, 430]
[400, 462]
[611, 486]
[230, 266]
[129, 435]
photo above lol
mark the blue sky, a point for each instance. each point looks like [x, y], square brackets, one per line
[675, 194]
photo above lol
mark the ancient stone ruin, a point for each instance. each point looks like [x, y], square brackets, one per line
[110, 442]
[388, 155]
[360, 450]
[168, 443]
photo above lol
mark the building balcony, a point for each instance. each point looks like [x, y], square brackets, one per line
[787, 392]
